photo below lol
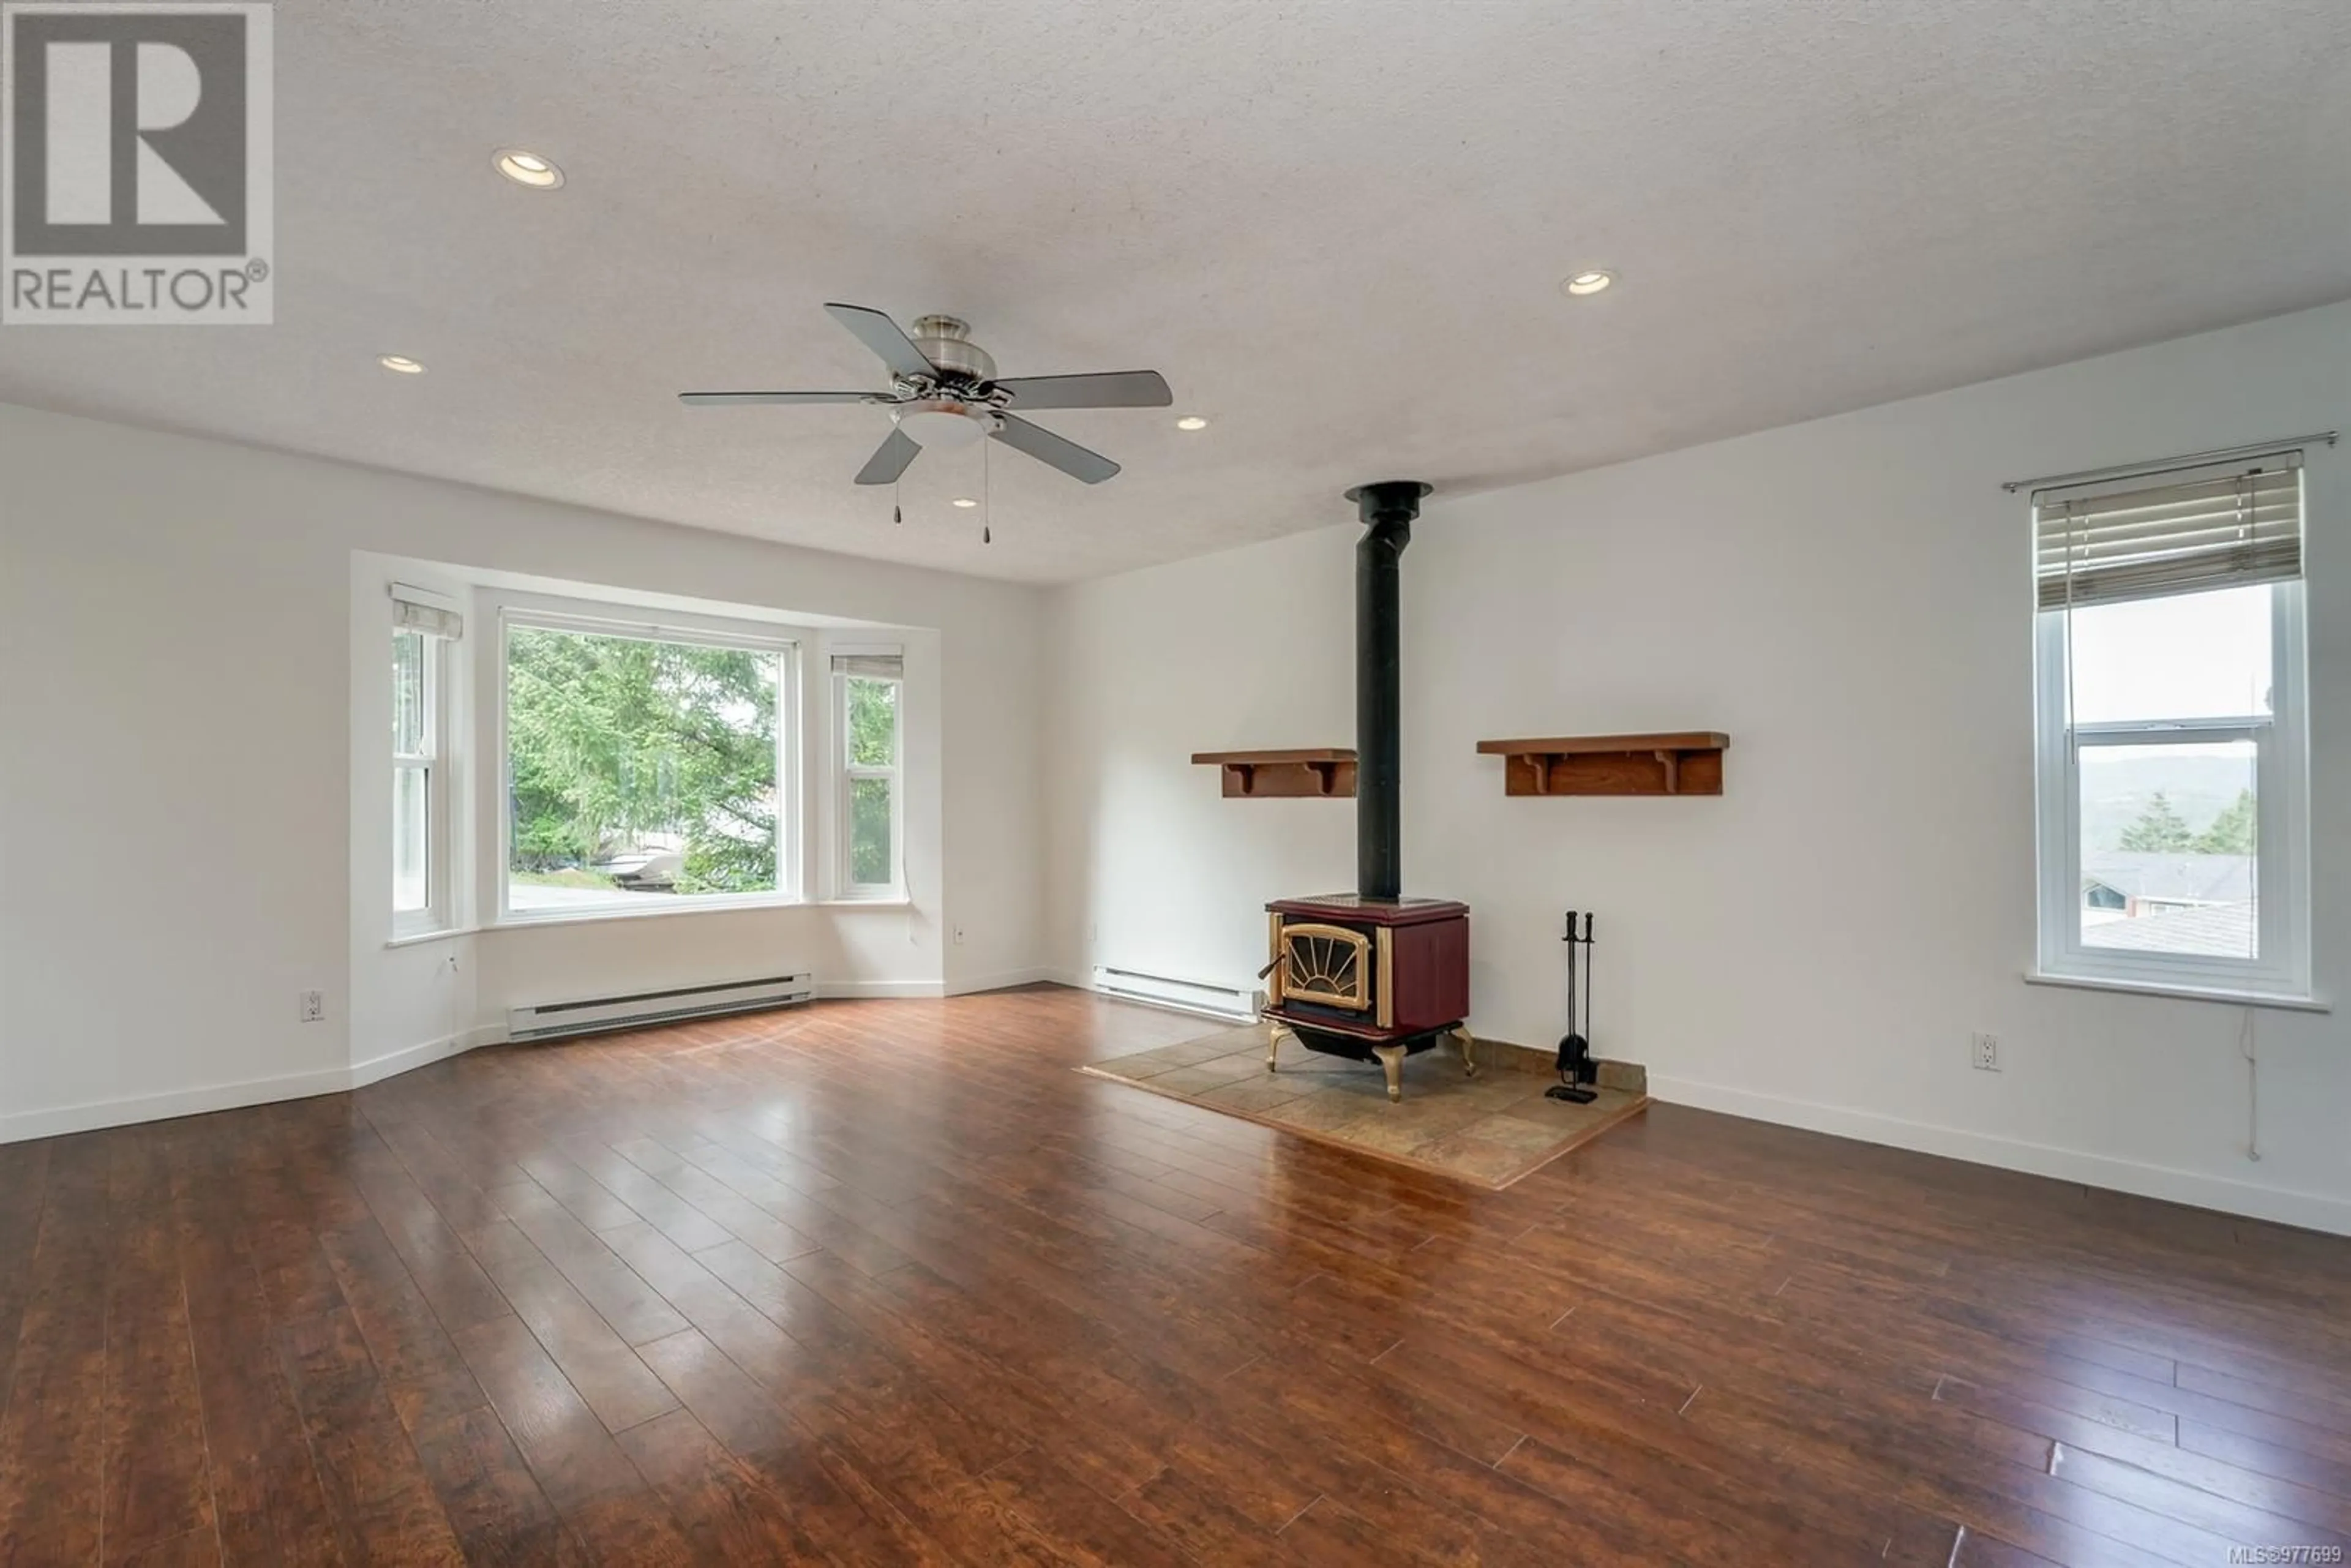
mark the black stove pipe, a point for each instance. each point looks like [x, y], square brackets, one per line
[1387, 510]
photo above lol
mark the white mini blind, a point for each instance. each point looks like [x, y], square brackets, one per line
[873, 666]
[420, 609]
[2146, 536]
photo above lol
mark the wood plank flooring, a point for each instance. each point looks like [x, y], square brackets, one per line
[887, 1282]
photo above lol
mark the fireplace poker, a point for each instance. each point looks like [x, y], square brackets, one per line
[1586, 1070]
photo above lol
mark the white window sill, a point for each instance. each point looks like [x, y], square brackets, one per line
[580, 916]
[438, 934]
[2182, 993]
[655, 906]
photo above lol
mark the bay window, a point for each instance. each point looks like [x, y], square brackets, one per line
[423, 627]
[867, 693]
[646, 766]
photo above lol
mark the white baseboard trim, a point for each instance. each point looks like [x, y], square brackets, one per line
[94, 1114]
[377, 1068]
[134, 1108]
[1005, 981]
[830, 990]
[2311, 1210]
[839, 991]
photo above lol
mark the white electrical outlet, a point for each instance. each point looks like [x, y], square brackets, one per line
[313, 1006]
[1987, 1053]
[958, 936]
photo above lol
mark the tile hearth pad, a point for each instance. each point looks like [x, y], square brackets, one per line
[1489, 1129]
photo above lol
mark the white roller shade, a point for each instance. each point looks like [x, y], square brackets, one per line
[421, 609]
[2146, 536]
[873, 666]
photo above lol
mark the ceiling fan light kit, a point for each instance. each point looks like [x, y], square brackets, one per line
[946, 396]
[943, 424]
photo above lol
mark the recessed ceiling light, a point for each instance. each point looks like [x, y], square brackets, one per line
[966, 501]
[399, 362]
[528, 168]
[1191, 422]
[1591, 282]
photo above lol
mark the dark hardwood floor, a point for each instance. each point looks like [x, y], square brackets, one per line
[887, 1282]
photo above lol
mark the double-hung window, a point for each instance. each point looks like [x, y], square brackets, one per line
[868, 693]
[422, 628]
[2172, 780]
[646, 766]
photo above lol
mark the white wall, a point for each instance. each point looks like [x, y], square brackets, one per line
[1848, 599]
[177, 681]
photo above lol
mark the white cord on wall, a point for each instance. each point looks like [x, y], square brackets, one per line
[458, 1032]
[2247, 1045]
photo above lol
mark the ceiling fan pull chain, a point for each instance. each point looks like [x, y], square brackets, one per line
[986, 498]
[898, 513]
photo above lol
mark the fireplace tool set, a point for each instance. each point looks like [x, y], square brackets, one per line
[1577, 1071]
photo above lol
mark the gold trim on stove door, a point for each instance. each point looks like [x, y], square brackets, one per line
[1387, 976]
[1328, 965]
[1273, 978]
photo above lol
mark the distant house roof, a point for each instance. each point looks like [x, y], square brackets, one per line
[2215, 930]
[2171, 876]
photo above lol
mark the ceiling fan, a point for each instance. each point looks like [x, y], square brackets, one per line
[944, 394]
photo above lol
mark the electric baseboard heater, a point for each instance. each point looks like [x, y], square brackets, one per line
[641, 1009]
[1203, 997]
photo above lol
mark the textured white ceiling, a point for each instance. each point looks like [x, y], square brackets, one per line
[1337, 225]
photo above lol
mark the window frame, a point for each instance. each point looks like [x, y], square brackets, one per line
[2281, 855]
[600, 620]
[438, 912]
[847, 773]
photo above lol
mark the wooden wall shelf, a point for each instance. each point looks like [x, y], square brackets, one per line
[1687, 763]
[1328, 772]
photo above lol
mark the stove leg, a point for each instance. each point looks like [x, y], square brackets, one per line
[1392, 1063]
[1468, 1044]
[1273, 1033]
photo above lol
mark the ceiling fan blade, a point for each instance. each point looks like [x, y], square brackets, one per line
[1047, 447]
[889, 460]
[881, 335]
[729, 398]
[1109, 389]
